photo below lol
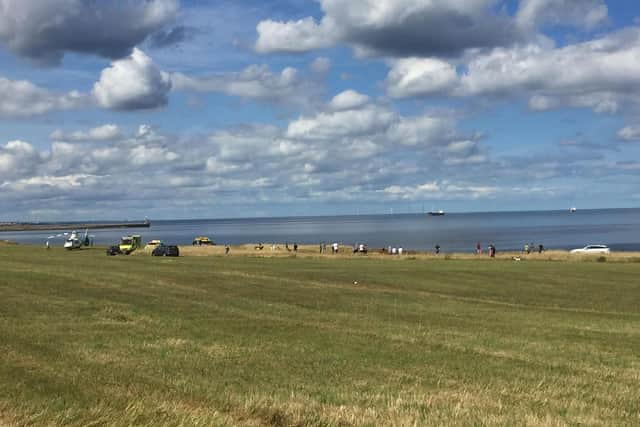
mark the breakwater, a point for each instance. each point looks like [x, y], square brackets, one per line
[19, 226]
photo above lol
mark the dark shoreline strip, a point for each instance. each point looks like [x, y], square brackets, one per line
[72, 226]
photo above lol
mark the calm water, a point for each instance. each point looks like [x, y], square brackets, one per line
[618, 228]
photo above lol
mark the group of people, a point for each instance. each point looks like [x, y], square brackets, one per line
[335, 248]
[295, 247]
[393, 250]
[491, 249]
[528, 248]
[360, 248]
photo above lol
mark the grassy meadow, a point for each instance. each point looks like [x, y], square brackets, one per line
[87, 339]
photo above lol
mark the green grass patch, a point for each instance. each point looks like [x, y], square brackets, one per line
[87, 339]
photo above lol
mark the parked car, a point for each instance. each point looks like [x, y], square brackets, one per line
[113, 250]
[165, 250]
[172, 250]
[152, 244]
[592, 249]
[202, 240]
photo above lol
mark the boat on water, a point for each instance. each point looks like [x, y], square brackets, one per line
[572, 209]
[436, 213]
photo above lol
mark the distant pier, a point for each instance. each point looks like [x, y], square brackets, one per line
[20, 226]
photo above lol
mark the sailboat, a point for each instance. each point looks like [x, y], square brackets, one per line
[436, 213]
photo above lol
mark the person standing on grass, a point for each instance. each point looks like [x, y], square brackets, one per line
[226, 249]
[438, 249]
[295, 247]
[478, 248]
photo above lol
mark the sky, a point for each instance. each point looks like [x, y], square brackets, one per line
[174, 109]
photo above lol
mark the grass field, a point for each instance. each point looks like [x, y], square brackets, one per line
[87, 339]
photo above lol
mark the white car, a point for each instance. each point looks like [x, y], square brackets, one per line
[592, 249]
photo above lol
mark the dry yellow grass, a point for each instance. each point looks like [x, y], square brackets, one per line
[279, 250]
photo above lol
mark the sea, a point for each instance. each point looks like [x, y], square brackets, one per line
[453, 232]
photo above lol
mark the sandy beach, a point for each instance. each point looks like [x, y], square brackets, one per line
[313, 251]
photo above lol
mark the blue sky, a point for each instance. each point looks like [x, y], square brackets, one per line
[199, 109]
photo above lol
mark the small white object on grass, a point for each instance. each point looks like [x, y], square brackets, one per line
[355, 282]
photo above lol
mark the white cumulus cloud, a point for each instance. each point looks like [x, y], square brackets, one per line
[586, 14]
[132, 83]
[106, 132]
[348, 100]
[629, 133]
[420, 76]
[599, 74]
[420, 130]
[21, 98]
[293, 36]
[17, 159]
[334, 125]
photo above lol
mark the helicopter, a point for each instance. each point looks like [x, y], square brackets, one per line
[73, 240]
